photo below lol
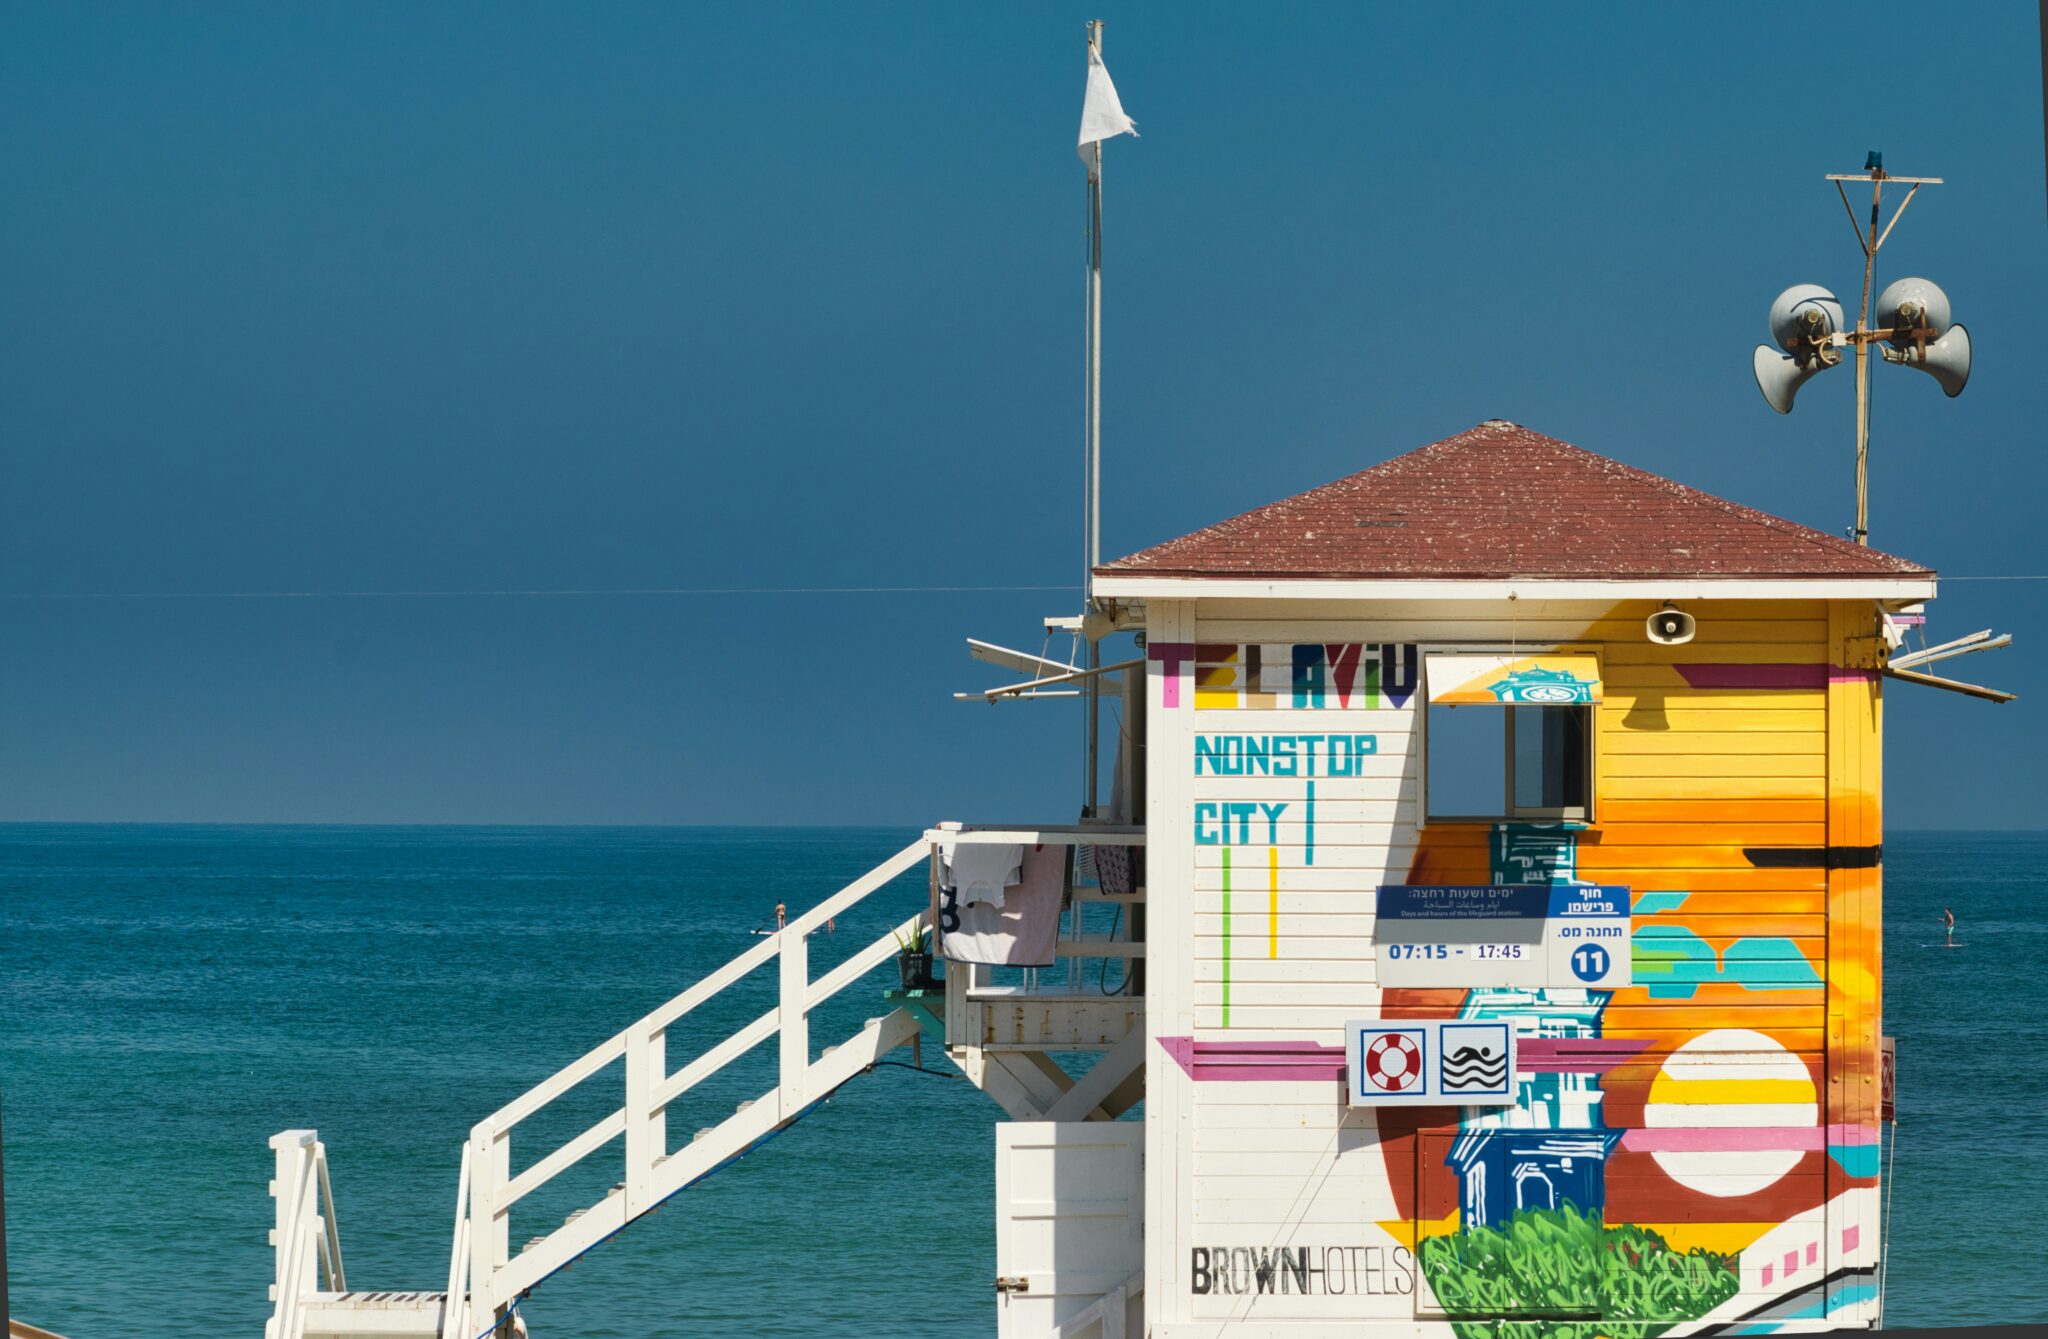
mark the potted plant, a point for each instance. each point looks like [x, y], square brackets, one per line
[914, 959]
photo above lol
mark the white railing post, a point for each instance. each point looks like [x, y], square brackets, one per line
[294, 1239]
[794, 1025]
[490, 1167]
[646, 1124]
[330, 1231]
[455, 1307]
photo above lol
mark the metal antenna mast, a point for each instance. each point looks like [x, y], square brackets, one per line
[1863, 336]
[1913, 326]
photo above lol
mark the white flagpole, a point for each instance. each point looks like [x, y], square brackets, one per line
[1092, 448]
[1091, 394]
[1102, 117]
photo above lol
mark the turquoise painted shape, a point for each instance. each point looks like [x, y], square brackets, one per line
[1685, 962]
[1649, 904]
[1841, 1297]
[1855, 1159]
[1545, 687]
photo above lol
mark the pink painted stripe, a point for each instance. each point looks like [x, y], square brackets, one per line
[1283, 1061]
[1744, 1139]
[1266, 1048]
[1715, 675]
[1266, 1062]
[1575, 1055]
[1255, 1061]
[1206, 1073]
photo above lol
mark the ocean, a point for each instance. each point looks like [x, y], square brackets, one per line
[170, 997]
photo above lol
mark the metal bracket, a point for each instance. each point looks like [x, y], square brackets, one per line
[1012, 1284]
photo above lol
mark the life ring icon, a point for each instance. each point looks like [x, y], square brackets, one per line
[1393, 1063]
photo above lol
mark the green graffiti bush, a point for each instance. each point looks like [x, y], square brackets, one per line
[1560, 1274]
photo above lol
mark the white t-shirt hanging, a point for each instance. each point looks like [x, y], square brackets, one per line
[979, 871]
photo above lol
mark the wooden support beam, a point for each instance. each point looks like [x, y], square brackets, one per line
[1084, 1101]
[999, 1083]
[1953, 685]
[1962, 646]
[1126, 1094]
[1041, 1073]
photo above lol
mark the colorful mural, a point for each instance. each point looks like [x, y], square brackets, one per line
[1693, 1153]
[1547, 680]
[1720, 1148]
[1298, 676]
[1532, 1238]
[1541, 1271]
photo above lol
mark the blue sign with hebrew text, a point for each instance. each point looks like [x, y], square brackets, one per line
[1511, 936]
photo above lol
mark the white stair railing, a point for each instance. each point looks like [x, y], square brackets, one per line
[497, 1275]
[305, 1241]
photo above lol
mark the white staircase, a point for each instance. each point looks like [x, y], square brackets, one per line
[486, 1278]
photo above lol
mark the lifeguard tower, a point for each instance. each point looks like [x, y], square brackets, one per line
[1494, 869]
[1525, 735]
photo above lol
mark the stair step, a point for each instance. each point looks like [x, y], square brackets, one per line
[700, 1134]
[743, 1106]
[574, 1216]
[531, 1244]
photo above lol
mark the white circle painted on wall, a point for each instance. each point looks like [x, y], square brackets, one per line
[1732, 1111]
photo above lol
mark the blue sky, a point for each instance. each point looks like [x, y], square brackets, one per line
[335, 298]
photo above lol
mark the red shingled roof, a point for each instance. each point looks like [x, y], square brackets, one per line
[1500, 501]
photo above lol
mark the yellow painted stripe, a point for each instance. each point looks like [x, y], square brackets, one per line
[1272, 901]
[1734, 740]
[1678, 1091]
[1614, 787]
[1812, 764]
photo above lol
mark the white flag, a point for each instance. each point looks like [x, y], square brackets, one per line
[1102, 114]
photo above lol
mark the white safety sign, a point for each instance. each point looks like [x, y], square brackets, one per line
[1430, 1062]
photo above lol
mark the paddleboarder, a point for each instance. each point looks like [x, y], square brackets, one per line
[1948, 925]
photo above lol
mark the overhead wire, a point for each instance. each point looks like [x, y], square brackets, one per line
[622, 592]
[537, 593]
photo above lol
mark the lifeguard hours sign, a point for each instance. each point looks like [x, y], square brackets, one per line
[1510, 936]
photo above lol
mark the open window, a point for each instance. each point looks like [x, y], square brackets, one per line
[1510, 736]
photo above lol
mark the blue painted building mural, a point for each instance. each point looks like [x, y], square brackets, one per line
[1550, 1148]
